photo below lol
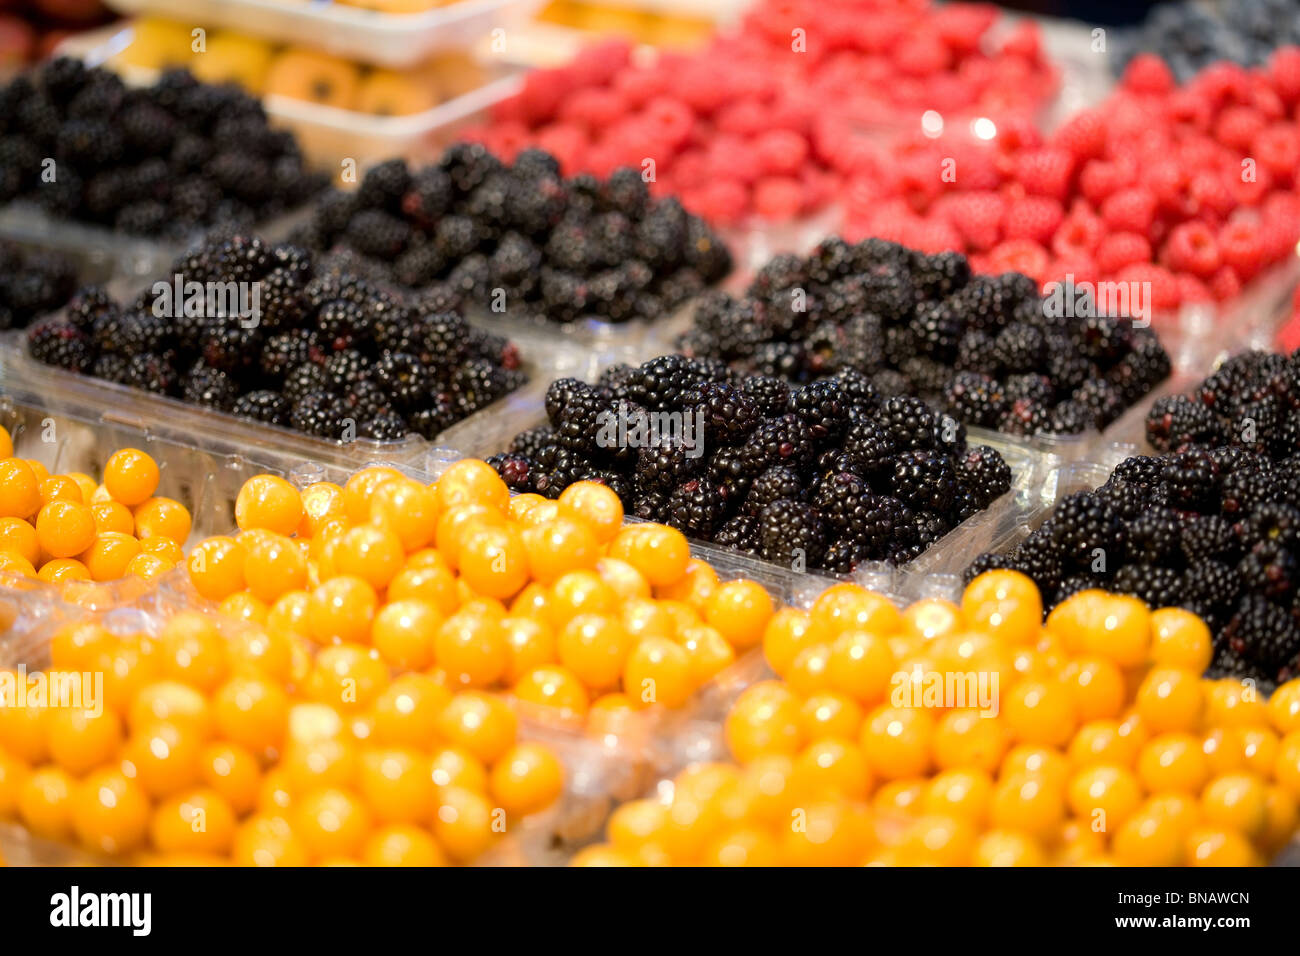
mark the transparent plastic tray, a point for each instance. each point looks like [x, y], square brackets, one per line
[101, 255]
[597, 775]
[384, 39]
[327, 135]
[488, 436]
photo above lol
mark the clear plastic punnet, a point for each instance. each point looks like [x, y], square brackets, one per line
[384, 39]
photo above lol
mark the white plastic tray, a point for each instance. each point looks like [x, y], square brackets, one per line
[384, 39]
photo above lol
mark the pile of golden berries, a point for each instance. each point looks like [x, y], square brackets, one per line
[556, 602]
[212, 742]
[978, 734]
[62, 528]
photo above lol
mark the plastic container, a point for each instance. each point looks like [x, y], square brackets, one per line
[101, 255]
[384, 39]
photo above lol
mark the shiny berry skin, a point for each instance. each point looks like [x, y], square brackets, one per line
[526, 778]
[110, 812]
[131, 476]
[20, 492]
[163, 517]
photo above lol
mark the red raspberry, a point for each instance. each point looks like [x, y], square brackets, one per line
[1164, 287]
[505, 140]
[595, 108]
[1240, 247]
[1277, 148]
[1189, 108]
[1237, 126]
[1222, 83]
[1167, 180]
[596, 65]
[1209, 191]
[1078, 269]
[1045, 172]
[702, 85]
[921, 54]
[1020, 255]
[1131, 209]
[722, 202]
[543, 92]
[1147, 73]
[781, 152]
[1078, 235]
[1267, 102]
[1224, 285]
[1120, 249]
[1191, 247]
[1024, 40]
[1192, 289]
[961, 25]
[1083, 135]
[934, 235]
[1277, 232]
[820, 187]
[778, 197]
[730, 157]
[744, 118]
[1016, 133]
[638, 87]
[1033, 217]
[1284, 73]
[668, 121]
[1099, 178]
[977, 217]
[1248, 192]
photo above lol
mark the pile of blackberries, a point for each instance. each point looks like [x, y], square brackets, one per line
[165, 160]
[1251, 401]
[825, 475]
[1190, 36]
[32, 283]
[1215, 531]
[987, 349]
[324, 352]
[523, 240]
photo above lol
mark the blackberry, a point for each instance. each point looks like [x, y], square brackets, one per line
[1211, 585]
[1155, 586]
[975, 398]
[771, 395]
[727, 413]
[1268, 569]
[384, 186]
[774, 483]
[321, 414]
[1025, 417]
[231, 347]
[1176, 423]
[434, 418]
[649, 506]
[988, 561]
[922, 479]
[110, 367]
[303, 379]
[1075, 583]
[823, 407]
[909, 422]
[851, 513]
[985, 473]
[478, 383]
[1208, 536]
[386, 426]
[342, 325]
[1065, 367]
[1086, 529]
[975, 352]
[791, 534]
[344, 369]
[515, 470]
[1154, 537]
[285, 350]
[663, 382]
[364, 399]
[740, 532]
[1242, 491]
[153, 372]
[61, 345]
[1264, 634]
[779, 359]
[582, 420]
[779, 441]
[209, 387]
[1192, 480]
[869, 446]
[928, 378]
[403, 377]
[263, 406]
[1036, 557]
[1101, 399]
[940, 275]
[374, 232]
[667, 465]
[694, 508]
[1070, 418]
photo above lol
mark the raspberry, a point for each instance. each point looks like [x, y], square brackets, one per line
[1237, 126]
[1099, 178]
[1132, 209]
[1020, 255]
[1240, 247]
[1191, 247]
[1147, 73]
[1284, 73]
[667, 121]
[1277, 148]
[722, 201]
[1192, 289]
[1045, 172]
[1120, 249]
[976, 216]
[781, 152]
[1224, 284]
[961, 26]
[921, 54]
[778, 197]
[1083, 135]
[1164, 287]
[1033, 217]
[744, 118]
[1208, 190]
[1078, 235]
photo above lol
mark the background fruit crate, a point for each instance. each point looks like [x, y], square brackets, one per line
[381, 38]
